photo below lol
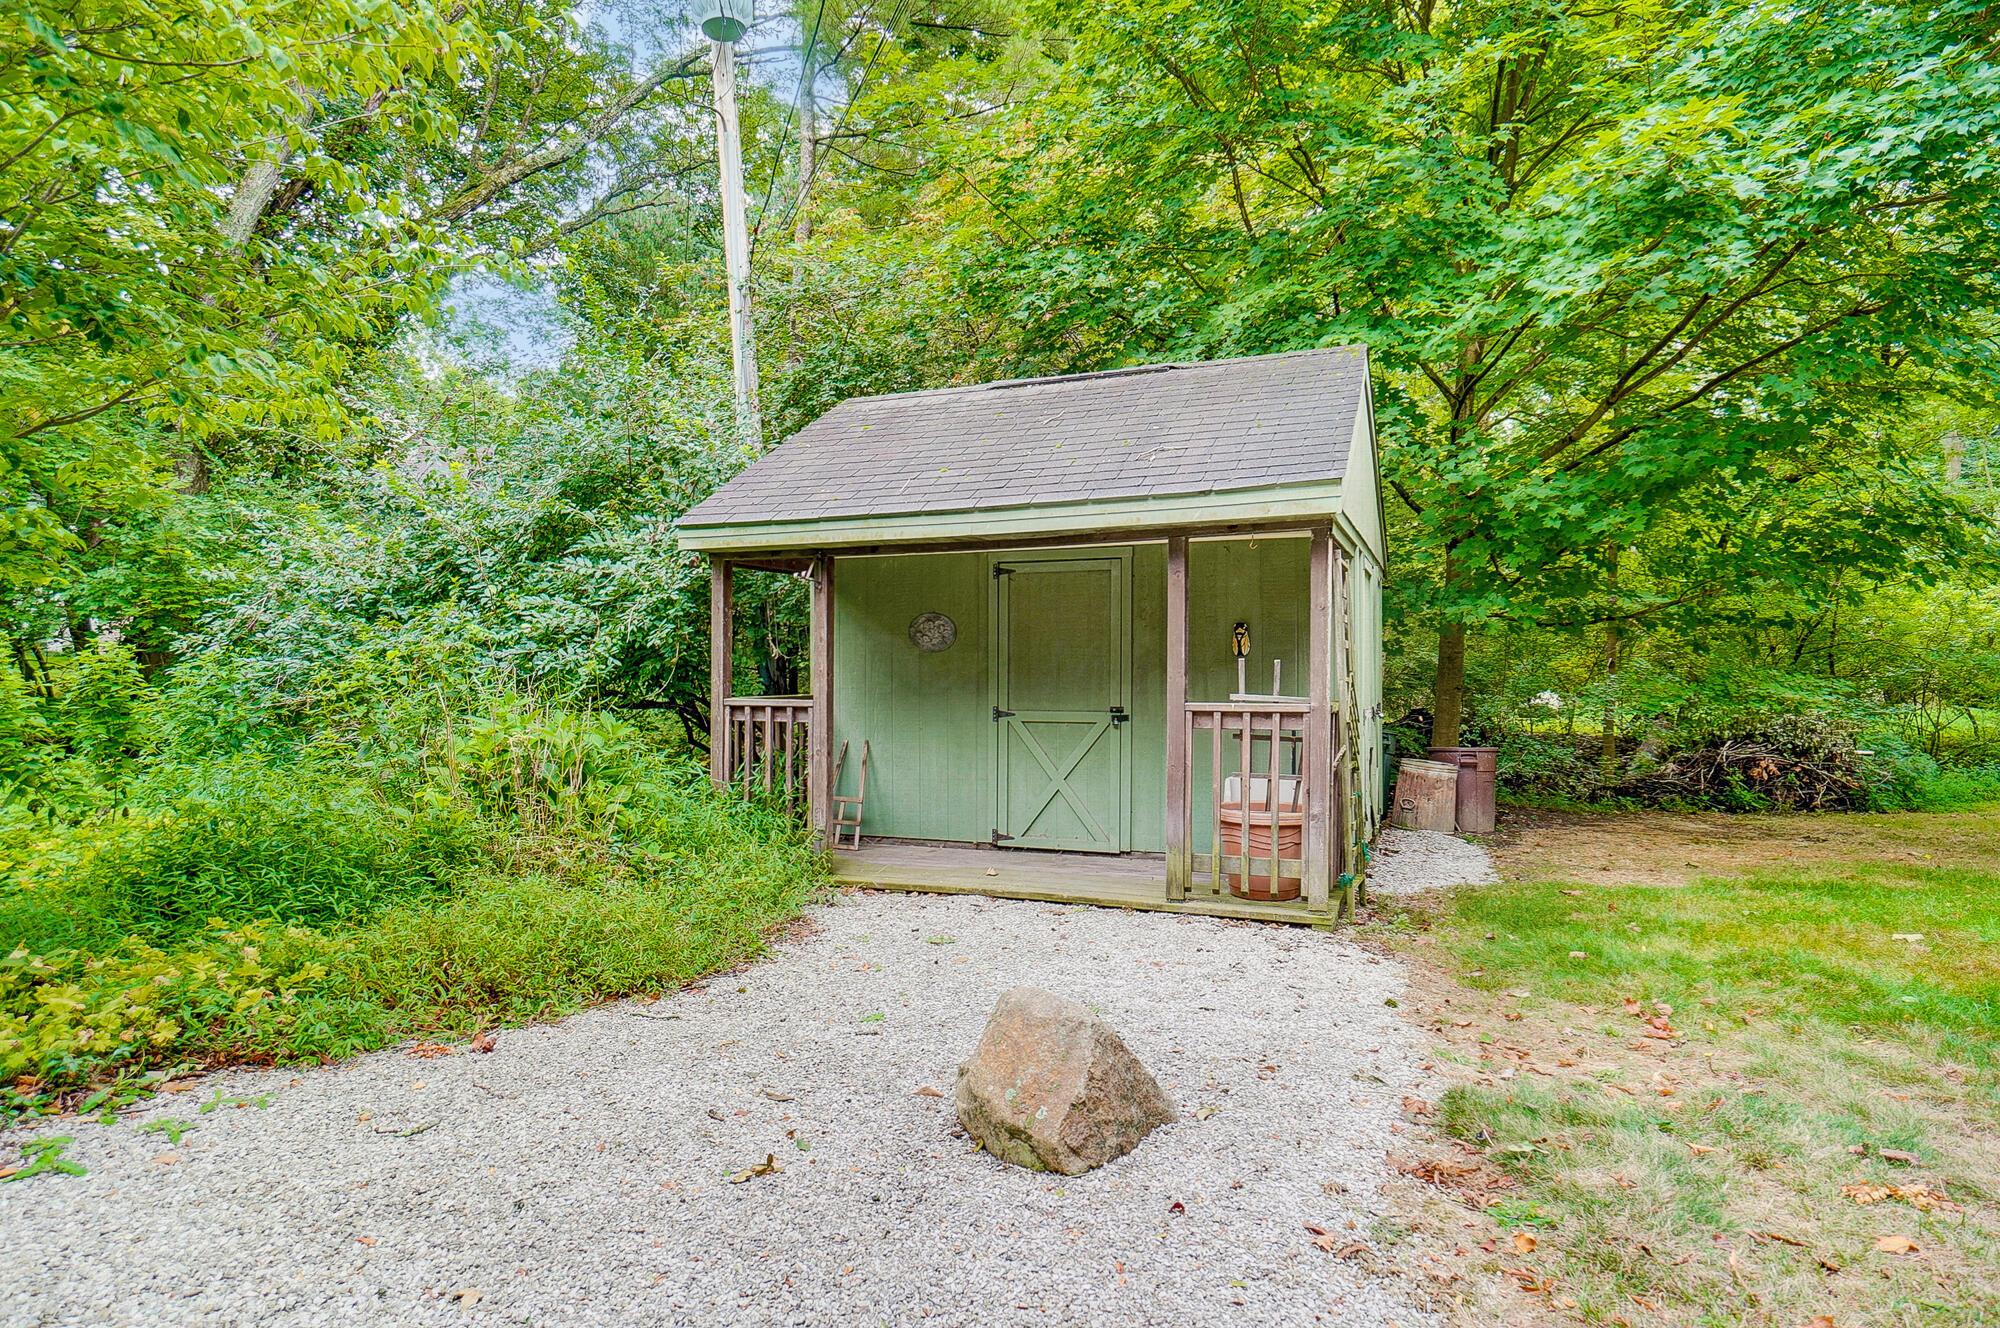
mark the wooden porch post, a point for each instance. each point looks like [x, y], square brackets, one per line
[721, 664]
[1347, 741]
[1321, 855]
[1345, 734]
[1180, 859]
[819, 755]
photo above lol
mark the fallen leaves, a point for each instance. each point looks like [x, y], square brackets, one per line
[1524, 1243]
[1474, 1181]
[1895, 1245]
[1925, 1198]
[1331, 1244]
[483, 1043]
[467, 1297]
[366, 1240]
[428, 1051]
[927, 1091]
[768, 1167]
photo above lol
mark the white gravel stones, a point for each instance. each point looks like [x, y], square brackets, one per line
[581, 1172]
[1409, 861]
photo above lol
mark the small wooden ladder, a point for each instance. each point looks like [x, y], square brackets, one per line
[846, 809]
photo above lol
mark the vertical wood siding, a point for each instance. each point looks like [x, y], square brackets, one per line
[928, 716]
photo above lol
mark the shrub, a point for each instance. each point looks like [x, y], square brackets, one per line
[1902, 778]
[248, 838]
[67, 1018]
[474, 908]
[1535, 766]
[99, 711]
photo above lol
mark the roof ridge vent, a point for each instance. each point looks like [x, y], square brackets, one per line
[1083, 377]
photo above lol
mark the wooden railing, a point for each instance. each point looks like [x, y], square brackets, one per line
[1259, 786]
[767, 744]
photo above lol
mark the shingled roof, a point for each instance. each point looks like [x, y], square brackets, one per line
[1156, 431]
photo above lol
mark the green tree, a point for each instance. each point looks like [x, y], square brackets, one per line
[1613, 263]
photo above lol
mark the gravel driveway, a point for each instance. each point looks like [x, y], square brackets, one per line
[580, 1173]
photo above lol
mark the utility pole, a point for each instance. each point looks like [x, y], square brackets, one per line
[736, 245]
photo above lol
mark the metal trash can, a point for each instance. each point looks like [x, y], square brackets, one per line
[1478, 781]
[1426, 796]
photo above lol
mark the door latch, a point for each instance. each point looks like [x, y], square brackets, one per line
[1118, 715]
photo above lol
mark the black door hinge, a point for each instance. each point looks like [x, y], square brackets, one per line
[999, 714]
[999, 838]
[1000, 570]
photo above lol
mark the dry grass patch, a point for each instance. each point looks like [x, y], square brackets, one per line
[1756, 1102]
[1679, 848]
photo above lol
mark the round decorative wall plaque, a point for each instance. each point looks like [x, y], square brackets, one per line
[932, 632]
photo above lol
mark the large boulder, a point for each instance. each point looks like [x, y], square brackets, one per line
[1052, 1088]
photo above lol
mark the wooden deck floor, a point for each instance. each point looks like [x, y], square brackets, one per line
[1124, 881]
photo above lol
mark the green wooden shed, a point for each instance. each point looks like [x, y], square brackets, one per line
[1110, 637]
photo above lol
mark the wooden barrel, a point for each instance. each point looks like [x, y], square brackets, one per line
[1426, 796]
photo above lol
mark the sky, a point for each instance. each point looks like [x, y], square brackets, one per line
[513, 328]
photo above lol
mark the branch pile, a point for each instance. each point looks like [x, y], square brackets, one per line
[1795, 763]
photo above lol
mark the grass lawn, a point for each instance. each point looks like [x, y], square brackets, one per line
[1702, 1098]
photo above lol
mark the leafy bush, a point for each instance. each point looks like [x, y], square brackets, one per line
[408, 860]
[250, 839]
[100, 707]
[67, 1018]
[1902, 778]
[1535, 767]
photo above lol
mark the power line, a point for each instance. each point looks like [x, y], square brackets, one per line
[785, 129]
[888, 29]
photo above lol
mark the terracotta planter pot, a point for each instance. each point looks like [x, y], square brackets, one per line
[1290, 830]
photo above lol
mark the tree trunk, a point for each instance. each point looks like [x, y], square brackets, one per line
[260, 182]
[1448, 691]
[1607, 754]
[1448, 684]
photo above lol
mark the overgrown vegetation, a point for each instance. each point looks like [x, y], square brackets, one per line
[437, 852]
[1752, 1099]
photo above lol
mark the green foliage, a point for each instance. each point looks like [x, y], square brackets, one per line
[100, 706]
[43, 1156]
[1657, 276]
[517, 860]
[249, 838]
[67, 1018]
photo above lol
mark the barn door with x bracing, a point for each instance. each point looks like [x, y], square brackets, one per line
[1062, 699]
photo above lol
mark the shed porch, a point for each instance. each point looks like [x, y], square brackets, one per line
[1125, 881]
[1079, 735]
